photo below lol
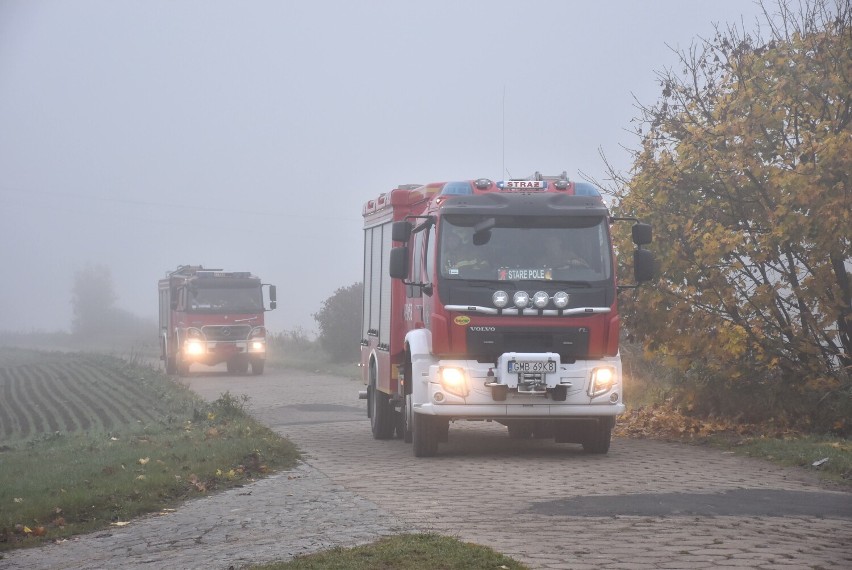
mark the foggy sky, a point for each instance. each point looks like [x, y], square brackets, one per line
[247, 135]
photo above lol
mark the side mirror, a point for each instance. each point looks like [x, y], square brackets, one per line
[643, 265]
[641, 234]
[398, 267]
[401, 231]
[273, 293]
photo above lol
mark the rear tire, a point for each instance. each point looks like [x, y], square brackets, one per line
[381, 411]
[424, 435]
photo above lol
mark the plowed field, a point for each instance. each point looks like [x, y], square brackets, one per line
[43, 393]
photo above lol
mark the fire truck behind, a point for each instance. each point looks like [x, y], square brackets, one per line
[210, 316]
[494, 301]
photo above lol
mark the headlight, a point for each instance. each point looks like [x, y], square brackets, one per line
[541, 299]
[521, 299]
[603, 379]
[257, 346]
[194, 347]
[560, 299]
[453, 380]
[500, 299]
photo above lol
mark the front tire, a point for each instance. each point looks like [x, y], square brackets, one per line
[598, 436]
[425, 435]
[257, 367]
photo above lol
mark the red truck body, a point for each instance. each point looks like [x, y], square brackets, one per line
[210, 316]
[526, 335]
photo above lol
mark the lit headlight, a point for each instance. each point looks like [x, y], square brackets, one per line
[500, 299]
[540, 299]
[257, 346]
[521, 299]
[453, 380]
[560, 299]
[603, 379]
[194, 347]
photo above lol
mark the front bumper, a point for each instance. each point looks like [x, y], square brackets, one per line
[490, 391]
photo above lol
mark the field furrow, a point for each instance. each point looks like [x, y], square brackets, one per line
[6, 413]
[122, 390]
[42, 410]
[18, 404]
[49, 387]
[90, 405]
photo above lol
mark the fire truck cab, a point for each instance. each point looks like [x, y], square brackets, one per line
[210, 316]
[493, 301]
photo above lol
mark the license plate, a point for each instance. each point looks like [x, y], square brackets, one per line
[522, 366]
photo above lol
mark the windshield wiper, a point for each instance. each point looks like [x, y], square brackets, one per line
[584, 284]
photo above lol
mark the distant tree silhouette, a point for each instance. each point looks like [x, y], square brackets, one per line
[339, 322]
[93, 299]
[96, 317]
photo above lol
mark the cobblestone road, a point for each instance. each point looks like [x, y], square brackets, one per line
[644, 505]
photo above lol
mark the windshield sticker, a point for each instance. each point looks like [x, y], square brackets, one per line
[540, 273]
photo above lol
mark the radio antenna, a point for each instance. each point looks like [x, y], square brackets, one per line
[503, 132]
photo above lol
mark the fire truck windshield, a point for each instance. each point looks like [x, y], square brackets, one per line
[213, 299]
[520, 248]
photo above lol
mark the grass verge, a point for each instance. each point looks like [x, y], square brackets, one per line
[55, 484]
[294, 349]
[407, 551]
[830, 457]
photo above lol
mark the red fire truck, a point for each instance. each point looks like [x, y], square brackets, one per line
[210, 316]
[494, 301]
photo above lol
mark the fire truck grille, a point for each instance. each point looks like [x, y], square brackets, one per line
[226, 333]
[570, 342]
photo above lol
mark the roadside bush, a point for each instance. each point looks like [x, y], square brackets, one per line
[339, 322]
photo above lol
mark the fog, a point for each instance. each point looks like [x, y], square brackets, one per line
[143, 135]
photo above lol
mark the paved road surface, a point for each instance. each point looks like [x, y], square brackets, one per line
[644, 505]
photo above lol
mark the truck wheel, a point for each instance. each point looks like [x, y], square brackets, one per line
[257, 367]
[381, 411]
[598, 436]
[171, 365]
[424, 435]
